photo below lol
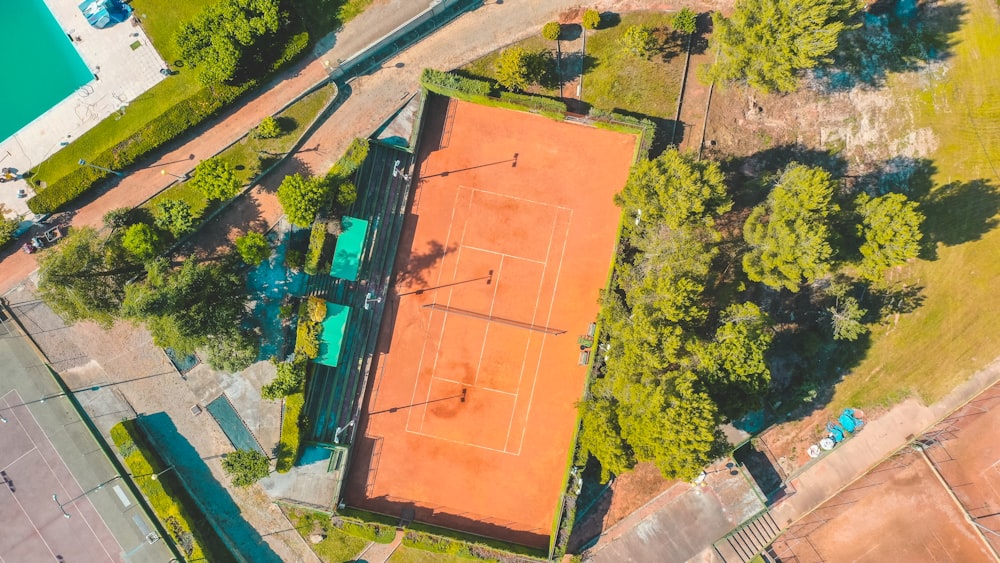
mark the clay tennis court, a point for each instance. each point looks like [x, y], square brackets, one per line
[899, 511]
[470, 412]
[34, 526]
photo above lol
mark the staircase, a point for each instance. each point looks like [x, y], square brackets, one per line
[749, 540]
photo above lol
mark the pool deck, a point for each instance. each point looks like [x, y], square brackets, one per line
[124, 75]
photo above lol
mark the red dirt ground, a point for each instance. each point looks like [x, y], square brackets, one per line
[530, 200]
[897, 512]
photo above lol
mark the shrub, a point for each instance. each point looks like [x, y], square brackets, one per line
[253, 248]
[232, 352]
[302, 198]
[315, 309]
[347, 194]
[173, 215]
[294, 259]
[446, 83]
[312, 312]
[591, 19]
[291, 429]
[685, 21]
[290, 378]
[552, 31]
[317, 239]
[269, 128]
[638, 40]
[534, 102]
[117, 218]
[246, 467]
[7, 227]
[378, 533]
[216, 179]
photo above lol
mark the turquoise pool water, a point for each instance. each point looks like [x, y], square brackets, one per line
[39, 64]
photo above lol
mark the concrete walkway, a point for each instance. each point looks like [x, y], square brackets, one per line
[380, 552]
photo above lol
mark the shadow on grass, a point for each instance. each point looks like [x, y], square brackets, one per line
[213, 498]
[894, 37]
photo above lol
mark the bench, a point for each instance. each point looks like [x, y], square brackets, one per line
[584, 358]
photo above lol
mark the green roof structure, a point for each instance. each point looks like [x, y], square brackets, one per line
[350, 243]
[331, 337]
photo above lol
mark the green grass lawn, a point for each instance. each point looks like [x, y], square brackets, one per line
[338, 547]
[617, 80]
[955, 332]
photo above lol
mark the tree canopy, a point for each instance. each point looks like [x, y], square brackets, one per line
[173, 215]
[685, 21]
[891, 228]
[736, 371]
[7, 226]
[675, 188]
[83, 278]
[638, 40]
[788, 234]
[765, 43]
[551, 31]
[302, 198]
[517, 68]
[141, 241]
[253, 248]
[216, 179]
[591, 19]
[225, 37]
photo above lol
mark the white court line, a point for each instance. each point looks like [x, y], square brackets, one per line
[527, 346]
[416, 380]
[490, 389]
[459, 442]
[33, 526]
[518, 198]
[555, 289]
[486, 333]
[505, 255]
[73, 476]
[33, 448]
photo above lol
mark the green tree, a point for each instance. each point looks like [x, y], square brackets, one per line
[736, 372]
[118, 218]
[685, 21]
[246, 467]
[591, 19]
[891, 228]
[253, 248]
[232, 352]
[302, 198]
[269, 128]
[347, 194]
[638, 40]
[84, 276]
[846, 318]
[517, 68]
[601, 437]
[173, 215]
[788, 235]
[7, 226]
[141, 241]
[552, 31]
[290, 378]
[216, 179]
[765, 43]
[674, 189]
[185, 306]
[228, 36]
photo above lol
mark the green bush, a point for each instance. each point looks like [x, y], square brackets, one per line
[379, 533]
[552, 31]
[290, 441]
[290, 379]
[312, 312]
[293, 50]
[269, 128]
[317, 239]
[165, 128]
[591, 19]
[534, 102]
[191, 531]
[294, 259]
[253, 248]
[348, 164]
[645, 126]
[447, 83]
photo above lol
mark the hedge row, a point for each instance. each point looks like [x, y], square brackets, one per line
[312, 312]
[371, 531]
[173, 506]
[291, 434]
[161, 130]
[644, 124]
[348, 164]
[168, 126]
[317, 238]
[437, 543]
[454, 82]
[534, 102]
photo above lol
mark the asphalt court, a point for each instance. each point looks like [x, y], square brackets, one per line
[496, 364]
[34, 526]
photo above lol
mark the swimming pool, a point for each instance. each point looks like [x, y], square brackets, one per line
[39, 64]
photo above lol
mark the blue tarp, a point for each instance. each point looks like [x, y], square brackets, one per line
[105, 13]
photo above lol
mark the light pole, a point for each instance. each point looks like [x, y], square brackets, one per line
[157, 475]
[181, 178]
[62, 505]
[336, 435]
[83, 162]
[397, 171]
[369, 299]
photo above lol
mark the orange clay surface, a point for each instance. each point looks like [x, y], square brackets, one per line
[899, 511]
[512, 217]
